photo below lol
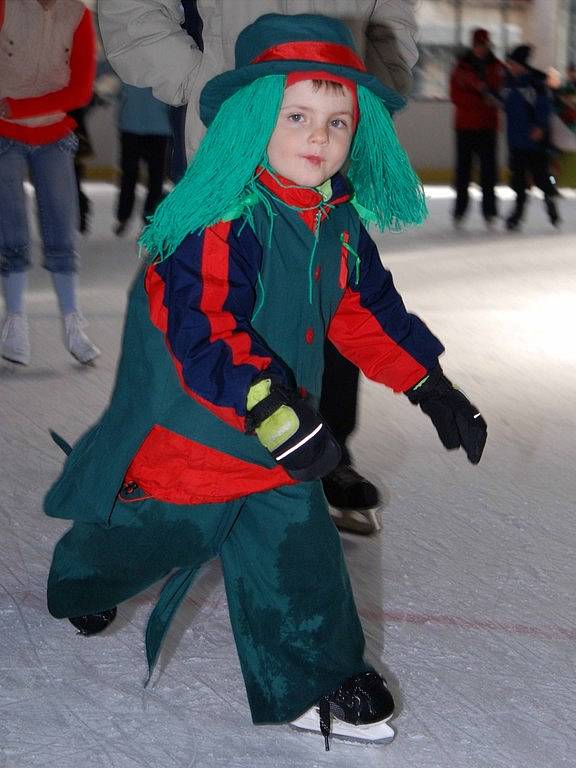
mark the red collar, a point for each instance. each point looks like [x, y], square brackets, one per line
[288, 192]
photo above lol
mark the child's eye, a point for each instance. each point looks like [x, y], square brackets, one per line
[296, 117]
[338, 123]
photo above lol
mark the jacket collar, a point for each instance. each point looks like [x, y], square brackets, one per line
[305, 198]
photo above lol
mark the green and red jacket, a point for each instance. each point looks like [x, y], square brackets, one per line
[250, 296]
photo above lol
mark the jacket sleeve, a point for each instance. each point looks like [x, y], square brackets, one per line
[202, 298]
[146, 45]
[464, 80]
[373, 329]
[391, 50]
[78, 92]
[542, 108]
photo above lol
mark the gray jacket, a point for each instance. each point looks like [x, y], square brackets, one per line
[146, 45]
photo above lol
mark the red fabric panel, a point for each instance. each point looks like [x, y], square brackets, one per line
[357, 334]
[159, 317]
[215, 287]
[308, 50]
[175, 469]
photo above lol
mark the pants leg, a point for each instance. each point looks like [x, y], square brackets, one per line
[178, 159]
[54, 179]
[154, 152]
[540, 170]
[129, 159]
[339, 399]
[95, 567]
[518, 182]
[487, 148]
[14, 232]
[465, 143]
[295, 623]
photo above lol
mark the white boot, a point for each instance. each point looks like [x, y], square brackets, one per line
[379, 732]
[357, 710]
[15, 340]
[76, 341]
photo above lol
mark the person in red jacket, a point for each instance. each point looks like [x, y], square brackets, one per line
[474, 85]
[47, 65]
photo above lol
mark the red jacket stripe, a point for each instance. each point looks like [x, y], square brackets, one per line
[215, 284]
[159, 317]
[369, 346]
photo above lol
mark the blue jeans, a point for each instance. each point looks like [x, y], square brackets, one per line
[51, 169]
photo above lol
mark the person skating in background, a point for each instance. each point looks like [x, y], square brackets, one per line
[528, 106]
[475, 83]
[83, 153]
[145, 131]
[48, 61]
[212, 444]
[146, 44]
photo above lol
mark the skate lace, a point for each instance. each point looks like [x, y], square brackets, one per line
[324, 714]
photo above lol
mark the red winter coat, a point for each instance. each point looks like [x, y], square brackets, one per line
[470, 79]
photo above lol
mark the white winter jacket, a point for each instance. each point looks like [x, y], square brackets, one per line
[146, 45]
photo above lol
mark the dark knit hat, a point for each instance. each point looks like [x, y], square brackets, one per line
[276, 44]
[480, 36]
[521, 54]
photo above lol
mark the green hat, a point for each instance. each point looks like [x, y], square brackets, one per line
[276, 45]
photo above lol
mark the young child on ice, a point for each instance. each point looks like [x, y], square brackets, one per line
[212, 445]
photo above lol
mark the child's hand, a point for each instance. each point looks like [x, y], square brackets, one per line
[291, 430]
[457, 421]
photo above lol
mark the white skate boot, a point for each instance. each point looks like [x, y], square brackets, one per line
[15, 339]
[76, 341]
[356, 711]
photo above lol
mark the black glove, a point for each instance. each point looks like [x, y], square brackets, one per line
[457, 421]
[291, 430]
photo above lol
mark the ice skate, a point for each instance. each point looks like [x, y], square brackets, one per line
[353, 500]
[15, 339]
[356, 711]
[76, 341]
[93, 623]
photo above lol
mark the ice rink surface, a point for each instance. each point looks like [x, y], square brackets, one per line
[467, 595]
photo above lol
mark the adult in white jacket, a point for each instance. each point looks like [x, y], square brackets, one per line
[146, 45]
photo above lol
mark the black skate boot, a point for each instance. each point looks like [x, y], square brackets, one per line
[356, 711]
[353, 500]
[93, 623]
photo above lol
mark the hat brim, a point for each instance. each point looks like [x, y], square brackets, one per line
[221, 87]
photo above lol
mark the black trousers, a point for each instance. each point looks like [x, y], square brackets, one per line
[339, 396]
[527, 166]
[483, 145]
[152, 150]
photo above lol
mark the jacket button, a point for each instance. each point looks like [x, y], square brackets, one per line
[317, 273]
[309, 336]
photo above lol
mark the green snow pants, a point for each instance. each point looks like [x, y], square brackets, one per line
[295, 624]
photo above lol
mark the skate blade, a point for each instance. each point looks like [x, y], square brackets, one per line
[377, 733]
[365, 522]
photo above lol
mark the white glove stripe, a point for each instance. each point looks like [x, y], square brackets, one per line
[301, 443]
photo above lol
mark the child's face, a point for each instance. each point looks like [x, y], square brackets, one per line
[313, 134]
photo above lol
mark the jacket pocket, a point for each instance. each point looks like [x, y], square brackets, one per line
[69, 144]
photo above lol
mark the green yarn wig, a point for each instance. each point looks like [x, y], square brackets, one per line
[220, 182]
